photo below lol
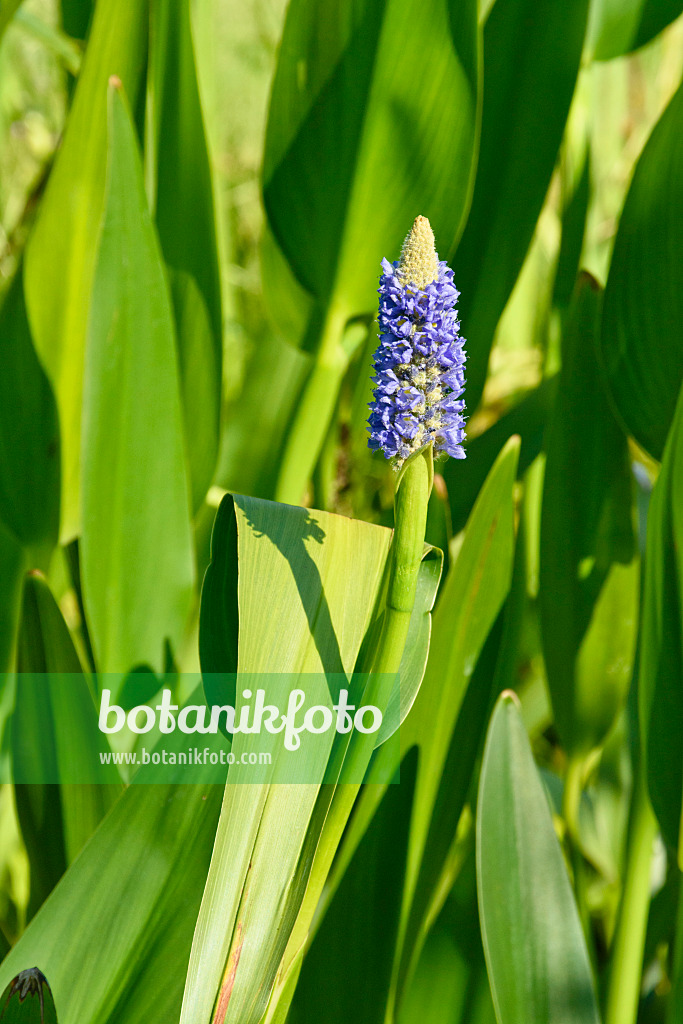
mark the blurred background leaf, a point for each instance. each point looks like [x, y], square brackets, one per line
[180, 182]
[586, 543]
[345, 112]
[528, 86]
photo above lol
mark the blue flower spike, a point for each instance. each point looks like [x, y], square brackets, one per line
[420, 360]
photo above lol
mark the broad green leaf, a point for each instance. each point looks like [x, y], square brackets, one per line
[588, 572]
[661, 639]
[303, 600]
[219, 623]
[617, 26]
[60, 258]
[185, 217]
[364, 133]
[640, 337]
[535, 950]
[114, 936]
[13, 565]
[28, 1000]
[29, 435]
[346, 974]
[531, 59]
[137, 558]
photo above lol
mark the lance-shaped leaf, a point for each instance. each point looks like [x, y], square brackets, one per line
[640, 335]
[28, 1000]
[306, 593]
[137, 557]
[535, 950]
[29, 434]
[531, 62]
[661, 647]
[60, 258]
[185, 217]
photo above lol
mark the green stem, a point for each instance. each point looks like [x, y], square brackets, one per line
[315, 411]
[571, 805]
[410, 520]
[626, 966]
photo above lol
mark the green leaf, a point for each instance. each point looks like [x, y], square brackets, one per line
[661, 645]
[640, 336]
[137, 560]
[185, 217]
[528, 419]
[618, 26]
[302, 602]
[114, 936]
[29, 435]
[55, 722]
[28, 1000]
[531, 61]
[588, 601]
[360, 927]
[76, 17]
[356, 103]
[356, 99]
[535, 951]
[60, 257]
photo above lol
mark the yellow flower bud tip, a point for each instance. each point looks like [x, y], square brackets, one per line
[419, 263]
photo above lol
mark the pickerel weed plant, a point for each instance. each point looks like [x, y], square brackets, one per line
[198, 519]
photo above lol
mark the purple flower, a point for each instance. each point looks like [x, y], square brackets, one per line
[420, 360]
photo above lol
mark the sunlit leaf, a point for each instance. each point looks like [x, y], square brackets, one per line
[535, 950]
[60, 259]
[137, 559]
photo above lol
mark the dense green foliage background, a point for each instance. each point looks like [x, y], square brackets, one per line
[195, 197]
